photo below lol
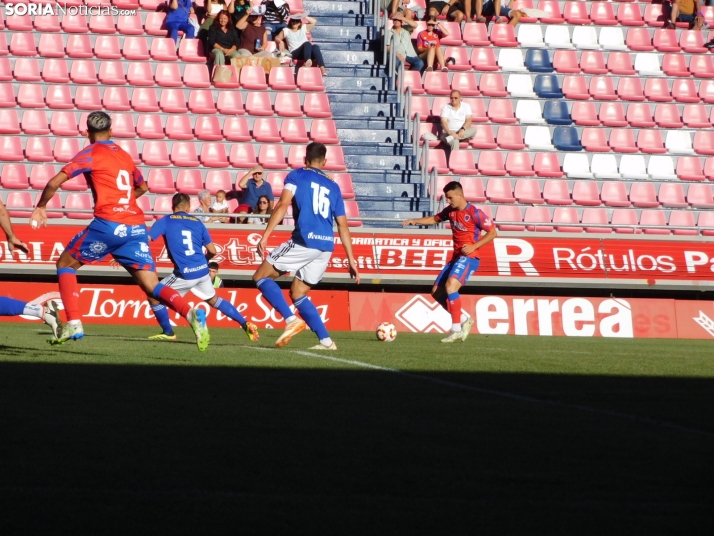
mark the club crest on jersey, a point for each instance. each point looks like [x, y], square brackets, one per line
[120, 231]
[144, 247]
[97, 248]
[467, 217]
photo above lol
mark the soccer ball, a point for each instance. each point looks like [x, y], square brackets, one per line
[386, 332]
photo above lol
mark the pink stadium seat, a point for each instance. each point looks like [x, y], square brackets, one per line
[76, 184]
[78, 201]
[130, 147]
[208, 128]
[630, 15]
[23, 44]
[27, 70]
[476, 35]
[585, 193]
[72, 23]
[576, 13]
[154, 24]
[135, 48]
[552, 8]
[437, 83]
[654, 218]
[352, 211]
[196, 76]
[173, 101]
[145, 205]
[282, 78]
[622, 140]
[596, 216]
[547, 165]
[161, 181]
[575, 87]
[437, 159]
[639, 114]
[682, 218]
[236, 129]
[296, 156]
[144, 100]
[510, 214]
[19, 23]
[9, 122]
[243, 156]
[335, 159]
[217, 179]
[630, 89]
[667, 116]
[14, 177]
[701, 66]
[473, 189]
[59, 97]
[271, 156]
[460, 56]
[706, 219]
[155, 153]
[675, 65]
[614, 194]
[344, 181]
[689, 168]
[638, 39]
[162, 203]
[565, 216]
[566, 62]
[40, 175]
[308, 79]
[437, 105]
[484, 59]
[666, 40]
[116, 99]
[462, 163]
[233, 82]
[412, 79]
[527, 191]
[585, 114]
[478, 110]
[556, 192]
[183, 154]
[706, 91]
[626, 217]
[518, 164]
[684, 90]
[315, 105]
[466, 83]
[593, 62]
[51, 46]
[266, 130]
[79, 46]
[102, 24]
[602, 14]
[595, 140]
[671, 195]
[524, 4]
[501, 111]
[510, 137]
[107, 47]
[601, 88]
[657, 90]
[491, 163]
[230, 103]
[612, 114]
[214, 155]
[178, 127]
[83, 72]
[650, 141]
[16, 200]
[537, 215]
[37, 150]
[708, 168]
[30, 96]
[258, 103]
[643, 195]
[321, 130]
[499, 191]
[112, 73]
[421, 106]
[703, 142]
[502, 35]
[276, 179]
[191, 50]
[692, 41]
[4, 51]
[168, 75]
[47, 23]
[454, 38]
[695, 116]
[620, 63]
[700, 196]
[35, 122]
[64, 124]
[655, 16]
[130, 24]
[148, 126]
[484, 138]
[200, 101]
[163, 49]
[189, 181]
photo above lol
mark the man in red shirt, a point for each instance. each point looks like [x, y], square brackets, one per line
[117, 228]
[467, 223]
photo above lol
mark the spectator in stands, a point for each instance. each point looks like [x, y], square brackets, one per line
[213, 274]
[264, 206]
[456, 122]
[220, 206]
[489, 8]
[213, 8]
[277, 13]
[404, 49]
[204, 207]
[428, 45]
[223, 39]
[298, 44]
[240, 8]
[177, 19]
[254, 36]
[254, 186]
[688, 11]
[454, 10]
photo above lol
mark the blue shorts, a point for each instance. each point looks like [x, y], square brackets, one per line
[460, 268]
[128, 244]
[489, 9]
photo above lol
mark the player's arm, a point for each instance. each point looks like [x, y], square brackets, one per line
[6, 225]
[244, 180]
[140, 189]
[427, 220]
[286, 198]
[38, 218]
[485, 239]
[210, 251]
[344, 232]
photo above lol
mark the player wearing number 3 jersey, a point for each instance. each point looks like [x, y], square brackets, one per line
[317, 202]
[117, 228]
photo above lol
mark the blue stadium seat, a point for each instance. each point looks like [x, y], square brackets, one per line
[538, 61]
[556, 112]
[546, 87]
[566, 139]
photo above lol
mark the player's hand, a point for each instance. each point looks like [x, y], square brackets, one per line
[407, 223]
[38, 218]
[115, 264]
[262, 252]
[468, 249]
[14, 242]
[354, 273]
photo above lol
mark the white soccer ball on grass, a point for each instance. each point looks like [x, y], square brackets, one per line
[386, 332]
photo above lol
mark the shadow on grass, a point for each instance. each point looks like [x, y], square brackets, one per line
[200, 450]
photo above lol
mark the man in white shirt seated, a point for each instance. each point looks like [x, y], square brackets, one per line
[456, 122]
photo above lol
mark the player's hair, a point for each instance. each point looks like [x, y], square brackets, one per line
[98, 122]
[453, 185]
[315, 152]
[213, 265]
[180, 199]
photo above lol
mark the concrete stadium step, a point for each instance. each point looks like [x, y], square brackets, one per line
[382, 149]
[396, 163]
[330, 45]
[342, 33]
[336, 8]
[357, 97]
[384, 190]
[398, 217]
[341, 57]
[384, 176]
[397, 204]
[368, 124]
[354, 83]
[352, 135]
[365, 109]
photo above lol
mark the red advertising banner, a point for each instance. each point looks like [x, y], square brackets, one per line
[126, 304]
[408, 256]
[695, 319]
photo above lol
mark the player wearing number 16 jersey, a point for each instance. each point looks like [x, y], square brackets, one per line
[117, 228]
[317, 202]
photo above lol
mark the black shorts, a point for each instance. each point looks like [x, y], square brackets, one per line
[439, 6]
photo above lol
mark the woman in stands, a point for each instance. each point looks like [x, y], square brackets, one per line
[177, 19]
[300, 47]
[264, 206]
[223, 39]
[213, 8]
[429, 45]
[240, 8]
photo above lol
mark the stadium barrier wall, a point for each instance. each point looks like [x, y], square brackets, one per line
[364, 311]
[417, 256]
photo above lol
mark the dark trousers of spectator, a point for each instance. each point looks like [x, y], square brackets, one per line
[416, 62]
[185, 27]
[308, 51]
[274, 28]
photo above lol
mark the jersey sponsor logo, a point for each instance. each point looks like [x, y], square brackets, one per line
[193, 269]
[138, 230]
[143, 255]
[144, 247]
[97, 248]
[313, 236]
[120, 231]
[422, 315]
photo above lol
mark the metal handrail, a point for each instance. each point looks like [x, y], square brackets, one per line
[407, 112]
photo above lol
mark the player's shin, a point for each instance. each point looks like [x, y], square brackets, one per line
[172, 299]
[227, 309]
[455, 310]
[162, 317]
[12, 307]
[312, 317]
[69, 291]
[271, 291]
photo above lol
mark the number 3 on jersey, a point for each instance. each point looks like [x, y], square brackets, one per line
[124, 185]
[320, 200]
[188, 240]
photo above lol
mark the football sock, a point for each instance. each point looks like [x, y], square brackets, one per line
[443, 301]
[69, 291]
[12, 307]
[326, 342]
[455, 309]
[274, 295]
[34, 309]
[231, 312]
[172, 299]
[311, 315]
[162, 317]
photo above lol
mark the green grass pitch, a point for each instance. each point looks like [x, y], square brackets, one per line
[115, 434]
